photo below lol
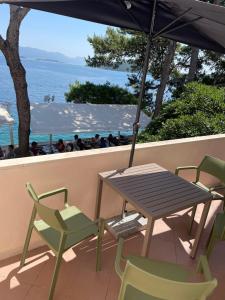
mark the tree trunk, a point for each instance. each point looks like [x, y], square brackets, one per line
[166, 69]
[10, 49]
[193, 64]
[194, 58]
[18, 75]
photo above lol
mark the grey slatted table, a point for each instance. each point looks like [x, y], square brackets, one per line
[155, 192]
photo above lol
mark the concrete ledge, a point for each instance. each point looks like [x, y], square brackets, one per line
[104, 151]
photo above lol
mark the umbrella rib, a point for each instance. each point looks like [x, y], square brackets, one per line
[173, 22]
[153, 18]
[131, 16]
[180, 26]
[210, 19]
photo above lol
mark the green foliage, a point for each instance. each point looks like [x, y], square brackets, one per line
[120, 46]
[210, 68]
[116, 47]
[99, 94]
[200, 110]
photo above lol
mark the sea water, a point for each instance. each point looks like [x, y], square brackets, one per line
[50, 78]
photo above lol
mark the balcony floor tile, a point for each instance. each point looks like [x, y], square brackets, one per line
[78, 279]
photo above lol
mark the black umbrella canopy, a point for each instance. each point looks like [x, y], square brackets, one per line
[191, 22]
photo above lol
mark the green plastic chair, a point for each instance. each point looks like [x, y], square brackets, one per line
[217, 233]
[145, 279]
[213, 166]
[61, 230]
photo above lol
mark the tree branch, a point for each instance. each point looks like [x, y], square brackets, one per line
[2, 43]
[22, 13]
[17, 14]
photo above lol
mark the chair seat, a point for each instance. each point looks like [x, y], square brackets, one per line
[216, 195]
[74, 220]
[162, 269]
[219, 226]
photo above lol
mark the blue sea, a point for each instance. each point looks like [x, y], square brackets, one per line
[50, 78]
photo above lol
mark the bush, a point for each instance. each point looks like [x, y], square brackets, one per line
[99, 94]
[200, 110]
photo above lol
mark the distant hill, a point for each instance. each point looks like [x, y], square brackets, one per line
[42, 55]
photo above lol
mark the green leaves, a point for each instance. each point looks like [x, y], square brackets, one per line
[119, 47]
[99, 94]
[116, 47]
[200, 110]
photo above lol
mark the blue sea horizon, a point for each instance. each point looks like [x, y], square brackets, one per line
[51, 78]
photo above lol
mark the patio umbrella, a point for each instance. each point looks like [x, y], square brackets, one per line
[192, 22]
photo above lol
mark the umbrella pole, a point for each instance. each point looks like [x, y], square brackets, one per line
[141, 95]
[140, 99]
[138, 113]
[143, 80]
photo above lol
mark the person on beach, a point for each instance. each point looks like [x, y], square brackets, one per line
[34, 148]
[11, 152]
[97, 141]
[1, 153]
[103, 143]
[110, 140]
[80, 144]
[75, 147]
[60, 146]
[69, 147]
[115, 141]
[92, 142]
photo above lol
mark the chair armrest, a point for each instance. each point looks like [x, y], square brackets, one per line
[185, 168]
[54, 192]
[203, 267]
[119, 257]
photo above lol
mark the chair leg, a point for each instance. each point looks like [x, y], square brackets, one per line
[28, 237]
[192, 218]
[99, 244]
[55, 276]
[210, 246]
[57, 265]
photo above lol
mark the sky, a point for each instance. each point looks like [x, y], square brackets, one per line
[53, 32]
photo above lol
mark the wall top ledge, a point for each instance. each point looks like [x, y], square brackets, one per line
[22, 162]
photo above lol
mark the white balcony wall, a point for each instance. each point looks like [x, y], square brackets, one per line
[78, 172]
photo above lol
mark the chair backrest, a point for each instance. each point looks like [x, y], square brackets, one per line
[158, 287]
[50, 216]
[212, 166]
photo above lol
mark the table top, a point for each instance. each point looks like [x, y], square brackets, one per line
[153, 190]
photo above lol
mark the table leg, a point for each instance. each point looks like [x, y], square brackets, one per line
[98, 198]
[200, 228]
[148, 237]
[123, 213]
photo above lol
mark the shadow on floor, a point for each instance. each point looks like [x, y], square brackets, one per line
[78, 279]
